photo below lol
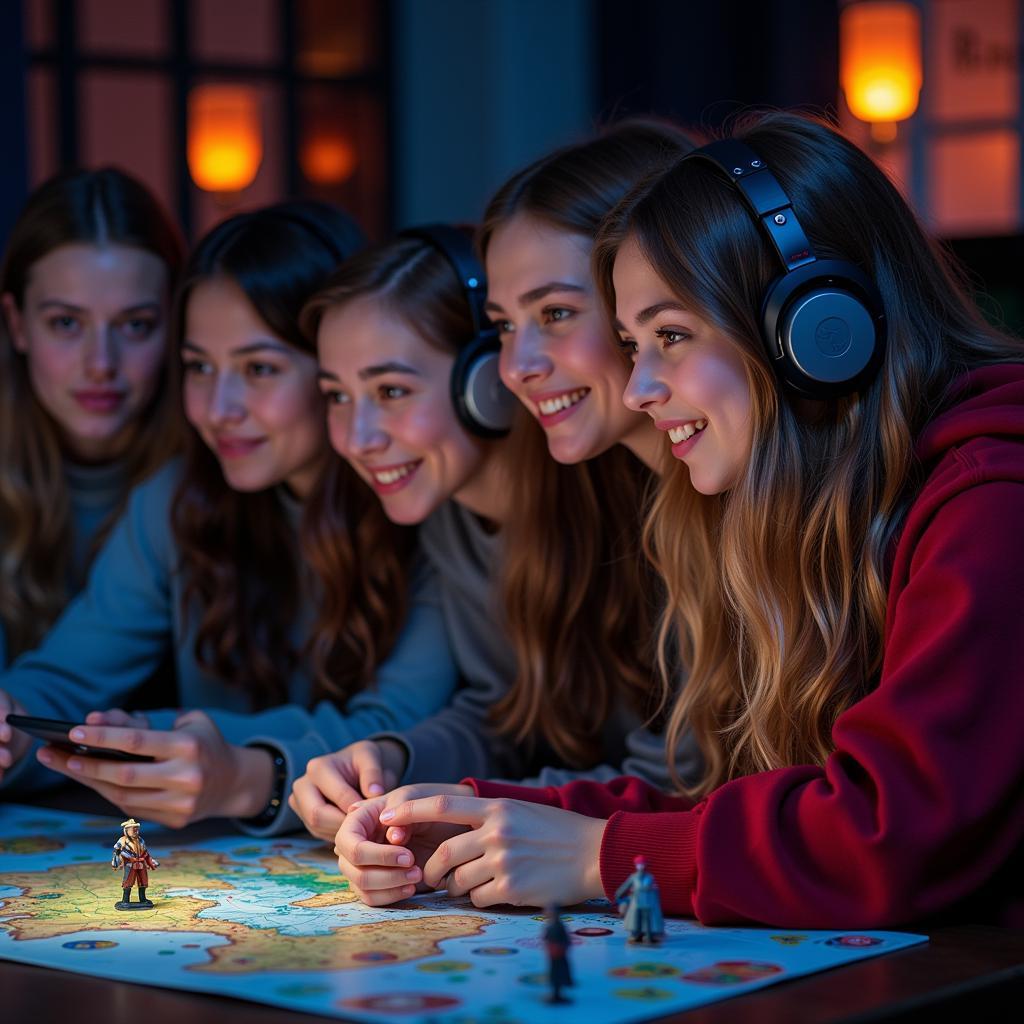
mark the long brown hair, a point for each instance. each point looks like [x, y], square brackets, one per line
[580, 600]
[779, 618]
[240, 558]
[101, 207]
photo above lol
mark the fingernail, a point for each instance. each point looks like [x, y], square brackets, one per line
[414, 874]
[387, 815]
[376, 789]
[78, 734]
[408, 890]
[75, 765]
[404, 860]
[45, 756]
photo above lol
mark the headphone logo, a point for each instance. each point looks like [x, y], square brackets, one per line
[833, 337]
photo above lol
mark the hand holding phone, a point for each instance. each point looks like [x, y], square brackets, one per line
[55, 732]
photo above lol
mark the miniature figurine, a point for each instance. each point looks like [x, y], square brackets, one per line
[556, 942]
[131, 855]
[642, 918]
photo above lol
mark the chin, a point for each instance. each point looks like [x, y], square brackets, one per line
[248, 483]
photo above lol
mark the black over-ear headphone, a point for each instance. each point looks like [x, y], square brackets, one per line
[483, 404]
[822, 321]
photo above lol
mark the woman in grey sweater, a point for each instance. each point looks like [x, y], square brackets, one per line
[88, 273]
[545, 594]
[240, 564]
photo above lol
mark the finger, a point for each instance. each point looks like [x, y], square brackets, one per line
[489, 894]
[451, 854]
[159, 743]
[359, 826]
[321, 818]
[126, 774]
[327, 776]
[367, 764]
[117, 717]
[458, 810]
[384, 897]
[397, 835]
[376, 879]
[466, 877]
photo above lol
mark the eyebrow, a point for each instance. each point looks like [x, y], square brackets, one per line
[61, 304]
[390, 367]
[245, 350]
[540, 292]
[645, 316]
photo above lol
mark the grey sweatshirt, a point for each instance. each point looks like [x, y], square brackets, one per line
[115, 635]
[458, 741]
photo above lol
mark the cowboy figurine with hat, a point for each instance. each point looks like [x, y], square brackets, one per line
[642, 915]
[131, 855]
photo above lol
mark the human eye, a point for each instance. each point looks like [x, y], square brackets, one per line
[335, 396]
[672, 335]
[193, 365]
[259, 369]
[505, 327]
[389, 392]
[627, 345]
[556, 314]
[65, 324]
[138, 328]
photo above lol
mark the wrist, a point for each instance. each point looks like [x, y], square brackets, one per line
[254, 778]
[592, 883]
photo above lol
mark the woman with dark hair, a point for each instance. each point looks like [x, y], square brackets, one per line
[86, 285]
[840, 540]
[546, 598]
[257, 562]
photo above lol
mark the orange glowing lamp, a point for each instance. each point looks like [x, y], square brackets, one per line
[880, 63]
[225, 138]
[327, 159]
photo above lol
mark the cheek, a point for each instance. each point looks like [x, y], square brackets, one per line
[337, 432]
[195, 399]
[52, 368]
[294, 408]
[594, 360]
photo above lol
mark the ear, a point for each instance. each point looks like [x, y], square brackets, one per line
[15, 323]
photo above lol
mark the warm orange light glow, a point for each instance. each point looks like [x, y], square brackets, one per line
[880, 62]
[327, 159]
[225, 139]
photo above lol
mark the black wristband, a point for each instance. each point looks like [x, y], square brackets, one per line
[273, 807]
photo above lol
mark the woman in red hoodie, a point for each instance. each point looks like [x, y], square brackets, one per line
[844, 559]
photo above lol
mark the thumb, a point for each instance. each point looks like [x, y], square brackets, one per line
[196, 721]
[367, 763]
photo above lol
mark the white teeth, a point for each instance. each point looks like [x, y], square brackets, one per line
[553, 405]
[677, 434]
[389, 476]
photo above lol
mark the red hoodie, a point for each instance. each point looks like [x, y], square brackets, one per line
[920, 809]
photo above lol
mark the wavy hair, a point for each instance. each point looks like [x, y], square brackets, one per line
[579, 597]
[240, 558]
[779, 618]
[99, 207]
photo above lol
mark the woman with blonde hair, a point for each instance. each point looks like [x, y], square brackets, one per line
[841, 546]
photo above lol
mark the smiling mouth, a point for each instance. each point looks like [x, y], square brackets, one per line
[557, 407]
[388, 479]
[237, 447]
[99, 401]
[687, 430]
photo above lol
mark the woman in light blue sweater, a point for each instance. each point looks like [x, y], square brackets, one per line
[241, 564]
[88, 273]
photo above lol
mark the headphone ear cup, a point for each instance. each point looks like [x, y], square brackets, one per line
[823, 329]
[484, 405]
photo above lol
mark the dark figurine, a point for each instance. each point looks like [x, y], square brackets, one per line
[131, 855]
[642, 913]
[556, 942]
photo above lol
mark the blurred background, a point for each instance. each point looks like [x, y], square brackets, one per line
[413, 110]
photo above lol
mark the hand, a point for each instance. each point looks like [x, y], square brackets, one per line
[332, 783]
[379, 871]
[14, 743]
[197, 773]
[115, 716]
[513, 852]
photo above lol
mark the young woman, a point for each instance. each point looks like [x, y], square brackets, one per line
[843, 565]
[562, 680]
[211, 566]
[84, 414]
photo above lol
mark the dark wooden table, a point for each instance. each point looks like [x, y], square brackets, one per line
[964, 973]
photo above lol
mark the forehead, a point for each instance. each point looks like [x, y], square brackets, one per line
[220, 317]
[637, 285]
[367, 332]
[98, 276]
[525, 252]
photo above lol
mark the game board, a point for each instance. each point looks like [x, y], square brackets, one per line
[272, 921]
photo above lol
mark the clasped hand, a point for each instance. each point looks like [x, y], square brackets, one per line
[494, 851]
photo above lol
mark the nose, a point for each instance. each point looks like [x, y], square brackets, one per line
[366, 435]
[524, 359]
[227, 403]
[645, 389]
[101, 356]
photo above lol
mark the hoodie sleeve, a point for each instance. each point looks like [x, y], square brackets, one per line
[922, 801]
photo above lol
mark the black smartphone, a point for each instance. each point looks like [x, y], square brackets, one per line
[56, 732]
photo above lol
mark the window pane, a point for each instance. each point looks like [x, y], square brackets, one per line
[125, 121]
[337, 37]
[972, 68]
[235, 31]
[137, 28]
[343, 152]
[975, 185]
[42, 125]
[38, 24]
